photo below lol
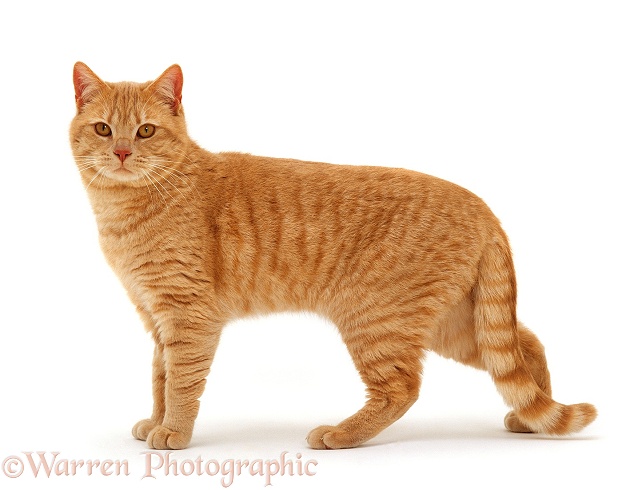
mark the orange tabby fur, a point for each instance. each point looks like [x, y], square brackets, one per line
[400, 261]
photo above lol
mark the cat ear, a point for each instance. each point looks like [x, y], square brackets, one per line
[169, 86]
[86, 84]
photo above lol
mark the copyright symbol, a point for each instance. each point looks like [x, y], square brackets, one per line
[12, 466]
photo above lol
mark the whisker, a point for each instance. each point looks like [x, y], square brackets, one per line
[182, 153]
[98, 173]
[181, 177]
[146, 174]
[102, 175]
[173, 172]
[147, 187]
[155, 174]
[84, 167]
[171, 183]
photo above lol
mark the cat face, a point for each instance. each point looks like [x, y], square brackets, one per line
[127, 133]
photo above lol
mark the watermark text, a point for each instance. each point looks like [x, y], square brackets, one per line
[159, 464]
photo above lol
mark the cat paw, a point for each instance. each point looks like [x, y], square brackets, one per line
[161, 437]
[143, 428]
[330, 437]
[512, 423]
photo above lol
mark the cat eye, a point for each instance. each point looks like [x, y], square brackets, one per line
[145, 131]
[103, 129]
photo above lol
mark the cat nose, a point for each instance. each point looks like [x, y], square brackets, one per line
[122, 149]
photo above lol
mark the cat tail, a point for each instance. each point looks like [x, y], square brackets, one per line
[496, 335]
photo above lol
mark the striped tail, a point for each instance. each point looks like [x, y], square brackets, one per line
[496, 335]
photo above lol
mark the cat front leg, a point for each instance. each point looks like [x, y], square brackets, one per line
[188, 348]
[143, 427]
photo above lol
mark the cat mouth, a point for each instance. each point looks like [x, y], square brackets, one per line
[123, 171]
[122, 174]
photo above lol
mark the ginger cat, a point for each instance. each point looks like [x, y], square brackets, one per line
[400, 261]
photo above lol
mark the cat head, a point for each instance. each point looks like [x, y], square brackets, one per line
[127, 133]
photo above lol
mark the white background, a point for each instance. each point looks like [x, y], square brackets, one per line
[522, 102]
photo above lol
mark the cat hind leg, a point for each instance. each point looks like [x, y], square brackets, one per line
[502, 352]
[535, 358]
[390, 365]
[456, 339]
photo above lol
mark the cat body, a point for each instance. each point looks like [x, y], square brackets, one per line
[401, 262]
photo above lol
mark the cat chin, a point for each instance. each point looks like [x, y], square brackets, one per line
[123, 175]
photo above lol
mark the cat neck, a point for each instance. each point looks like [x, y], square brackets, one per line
[121, 209]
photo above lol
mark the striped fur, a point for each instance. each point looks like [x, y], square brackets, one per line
[502, 355]
[400, 261]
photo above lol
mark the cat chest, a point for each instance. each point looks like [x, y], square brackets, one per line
[154, 267]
